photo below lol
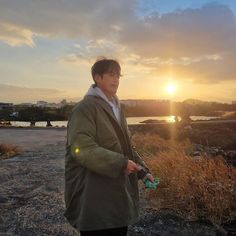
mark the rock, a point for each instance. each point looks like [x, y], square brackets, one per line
[151, 121]
[3, 199]
[1, 221]
[222, 153]
[216, 150]
[197, 153]
[160, 222]
[50, 188]
[200, 150]
[48, 123]
[32, 123]
[199, 147]
[188, 127]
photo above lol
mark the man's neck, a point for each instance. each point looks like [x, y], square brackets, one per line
[108, 95]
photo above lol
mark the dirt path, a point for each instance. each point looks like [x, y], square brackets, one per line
[32, 138]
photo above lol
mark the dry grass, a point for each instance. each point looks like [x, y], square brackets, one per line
[151, 144]
[203, 188]
[8, 150]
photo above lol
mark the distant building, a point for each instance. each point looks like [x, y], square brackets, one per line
[143, 102]
[129, 102]
[43, 104]
[4, 106]
[151, 102]
[53, 105]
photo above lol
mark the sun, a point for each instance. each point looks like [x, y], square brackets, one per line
[170, 88]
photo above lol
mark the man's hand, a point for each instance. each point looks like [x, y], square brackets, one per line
[148, 176]
[131, 167]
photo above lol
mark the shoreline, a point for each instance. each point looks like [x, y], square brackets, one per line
[130, 125]
[34, 127]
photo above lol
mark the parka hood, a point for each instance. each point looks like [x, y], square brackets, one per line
[96, 91]
[114, 104]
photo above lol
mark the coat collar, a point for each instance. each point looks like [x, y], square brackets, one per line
[101, 102]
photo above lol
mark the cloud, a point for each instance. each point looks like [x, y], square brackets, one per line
[204, 71]
[198, 44]
[73, 18]
[184, 33]
[192, 44]
[17, 94]
[94, 49]
[15, 36]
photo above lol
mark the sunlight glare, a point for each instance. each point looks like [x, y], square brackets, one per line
[170, 88]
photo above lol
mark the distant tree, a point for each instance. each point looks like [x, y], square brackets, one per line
[5, 113]
[65, 111]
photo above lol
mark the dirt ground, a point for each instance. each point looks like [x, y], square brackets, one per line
[32, 192]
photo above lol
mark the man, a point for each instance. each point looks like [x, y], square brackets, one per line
[102, 168]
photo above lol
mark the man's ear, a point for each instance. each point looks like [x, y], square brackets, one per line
[97, 78]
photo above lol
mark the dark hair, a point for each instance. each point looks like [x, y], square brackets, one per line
[103, 66]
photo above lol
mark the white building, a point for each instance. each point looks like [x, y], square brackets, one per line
[41, 104]
[14, 114]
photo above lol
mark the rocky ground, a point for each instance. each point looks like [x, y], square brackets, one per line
[32, 192]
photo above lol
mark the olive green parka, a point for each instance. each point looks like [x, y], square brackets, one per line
[98, 193]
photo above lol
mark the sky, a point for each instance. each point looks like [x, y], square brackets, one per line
[47, 48]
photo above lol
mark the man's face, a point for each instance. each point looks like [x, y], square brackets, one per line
[108, 82]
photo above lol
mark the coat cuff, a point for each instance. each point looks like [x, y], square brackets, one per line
[142, 173]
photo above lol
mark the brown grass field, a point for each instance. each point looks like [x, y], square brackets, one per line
[196, 188]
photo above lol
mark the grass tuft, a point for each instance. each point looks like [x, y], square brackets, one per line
[8, 150]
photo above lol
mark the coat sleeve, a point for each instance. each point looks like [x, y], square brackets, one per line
[144, 168]
[138, 159]
[81, 139]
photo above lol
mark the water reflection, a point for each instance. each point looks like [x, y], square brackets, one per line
[130, 120]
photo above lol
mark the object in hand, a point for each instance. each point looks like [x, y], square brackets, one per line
[152, 185]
